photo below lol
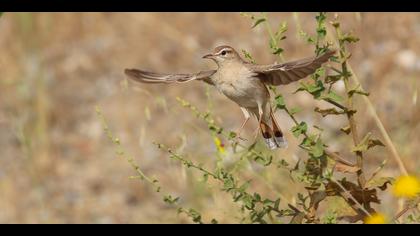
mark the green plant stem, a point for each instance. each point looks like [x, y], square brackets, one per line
[226, 135]
[375, 116]
[336, 104]
[354, 132]
[329, 153]
[136, 167]
[350, 116]
[191, 164]
[120, 152]
[272, 37]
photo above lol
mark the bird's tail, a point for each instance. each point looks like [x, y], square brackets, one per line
[273, 137]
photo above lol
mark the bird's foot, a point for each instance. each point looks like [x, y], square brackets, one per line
[236, 136]
[257, 131]
[237, 139]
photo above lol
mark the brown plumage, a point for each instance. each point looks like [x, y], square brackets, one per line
[245, 84]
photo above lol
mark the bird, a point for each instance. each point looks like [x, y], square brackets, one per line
[246, 84]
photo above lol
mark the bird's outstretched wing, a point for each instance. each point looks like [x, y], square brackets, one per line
[277, 74]
[151, 77]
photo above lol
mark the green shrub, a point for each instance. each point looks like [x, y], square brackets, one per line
[321, 172]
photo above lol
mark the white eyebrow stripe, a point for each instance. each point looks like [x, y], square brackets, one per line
[223, 49]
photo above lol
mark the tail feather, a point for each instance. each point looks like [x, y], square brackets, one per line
[275, 142]
[273, 137]
[270, 130]
[271, 143]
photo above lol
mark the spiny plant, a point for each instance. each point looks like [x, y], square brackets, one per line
[323, 173]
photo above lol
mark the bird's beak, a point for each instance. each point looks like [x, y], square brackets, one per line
[208, 56]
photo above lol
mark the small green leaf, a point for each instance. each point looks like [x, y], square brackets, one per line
[307, 141]
[321, 29]
[248, 56]
[320, 18]
[257, 22]
[346, 129]
[228, 183]
[321, 32]
[329, 111]
[380, 183]
[299, 129]
[375, 142]
[195, 215]
[263, 161]
[306, 37]
[334, 59]
[282, 28]
[277, 204]
[320, 72]
[335, 24]
[170, 200]
[367, 143]
[349, 38]
[357, 90]
[310, 40]
[295, 110]
[333, 96]
[363, 145]
[232, 135]
[244, 187]
[257, 197]
[272, 43]
[277, 51]
[332, 79]
[279, 102]
[313, 88]
[317, 150]
[248, 201]
[205, 177]
[282, 163]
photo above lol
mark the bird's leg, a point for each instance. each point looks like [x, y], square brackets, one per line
[260, 115]
[247, 117]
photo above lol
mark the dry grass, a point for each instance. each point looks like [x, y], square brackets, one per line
[56, 165]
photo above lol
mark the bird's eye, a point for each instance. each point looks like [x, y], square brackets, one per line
[223, 53]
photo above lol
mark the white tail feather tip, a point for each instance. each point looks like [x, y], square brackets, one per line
[271, 144]
[281, 142]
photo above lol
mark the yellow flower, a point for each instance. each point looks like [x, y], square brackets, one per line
[406, 186]
[220, 146]
[375, 218]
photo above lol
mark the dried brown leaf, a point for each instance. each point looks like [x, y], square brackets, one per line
[341, 167]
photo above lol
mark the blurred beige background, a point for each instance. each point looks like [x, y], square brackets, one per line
[56, 164]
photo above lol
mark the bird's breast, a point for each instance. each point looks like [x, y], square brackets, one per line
[243, 88]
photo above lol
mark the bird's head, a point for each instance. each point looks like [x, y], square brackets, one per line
[223, 54]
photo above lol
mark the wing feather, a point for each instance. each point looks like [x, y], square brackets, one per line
[286, 73]
[152, 77]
